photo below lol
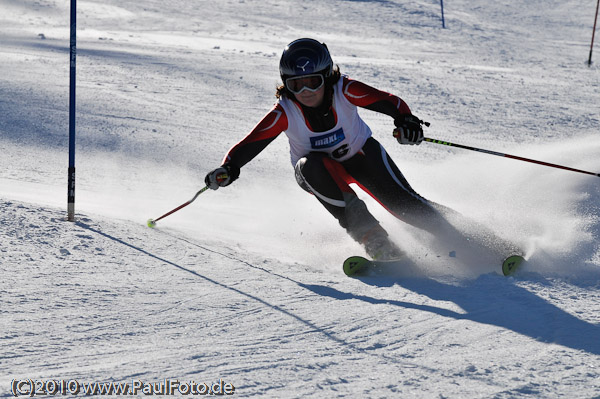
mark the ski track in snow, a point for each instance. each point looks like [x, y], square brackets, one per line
[245, 285]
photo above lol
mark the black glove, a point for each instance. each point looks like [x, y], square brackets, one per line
[409, 129]
[222, 176]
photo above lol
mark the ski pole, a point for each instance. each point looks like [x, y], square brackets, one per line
[152, 222]
[508, 156]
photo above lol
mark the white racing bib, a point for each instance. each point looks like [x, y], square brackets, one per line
[341, 143]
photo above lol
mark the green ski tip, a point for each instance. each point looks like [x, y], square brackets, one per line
[512, 264]
[355, 264]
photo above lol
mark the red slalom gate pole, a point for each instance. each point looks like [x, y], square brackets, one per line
[509, 156]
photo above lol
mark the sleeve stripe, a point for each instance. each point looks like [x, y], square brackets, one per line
[348, 94]
[251, 145]
[278, 113]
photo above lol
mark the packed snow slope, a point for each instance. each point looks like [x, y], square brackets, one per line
[245, 285]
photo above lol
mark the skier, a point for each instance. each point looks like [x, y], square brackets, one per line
[331, 147]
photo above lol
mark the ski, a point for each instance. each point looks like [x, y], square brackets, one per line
[355, 264]
[358, 265]
[512, 264]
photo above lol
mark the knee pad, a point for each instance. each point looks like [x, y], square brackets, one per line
[299, 176]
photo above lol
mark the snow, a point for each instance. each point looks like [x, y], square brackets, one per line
[245, 284]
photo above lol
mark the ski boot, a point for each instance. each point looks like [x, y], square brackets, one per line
[378, 246]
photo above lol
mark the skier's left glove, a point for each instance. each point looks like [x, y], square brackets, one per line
[409, 129]
[222, 176]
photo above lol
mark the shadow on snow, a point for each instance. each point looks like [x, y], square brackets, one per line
[489, 299]
[492, 300]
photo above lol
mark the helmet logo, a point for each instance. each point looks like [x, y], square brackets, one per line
[304, 66]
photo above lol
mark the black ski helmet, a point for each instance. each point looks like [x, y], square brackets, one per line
[304, 57]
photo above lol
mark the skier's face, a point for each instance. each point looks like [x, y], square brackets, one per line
[311, 98]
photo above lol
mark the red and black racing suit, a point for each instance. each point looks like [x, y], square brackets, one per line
[371, 168]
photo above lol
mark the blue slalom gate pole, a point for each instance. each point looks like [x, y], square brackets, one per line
[593, 33]
[443, 20]
[71, 172]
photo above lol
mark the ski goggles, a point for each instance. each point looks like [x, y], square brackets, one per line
[298, 84]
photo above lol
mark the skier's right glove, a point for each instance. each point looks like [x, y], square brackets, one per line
[222, 176]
